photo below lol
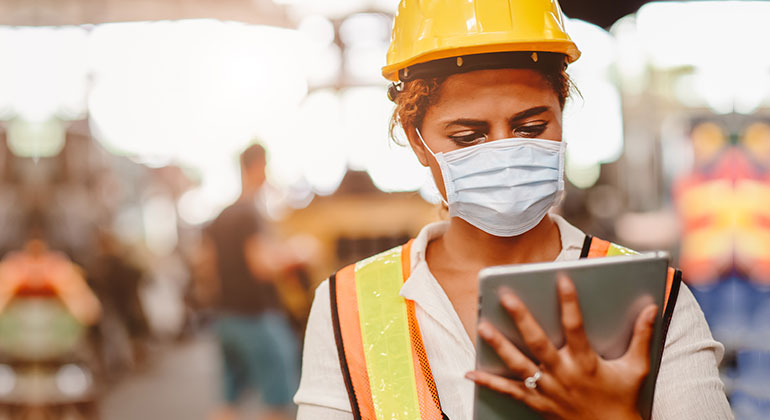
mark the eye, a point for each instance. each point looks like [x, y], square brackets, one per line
[530, 130]
[467, 138]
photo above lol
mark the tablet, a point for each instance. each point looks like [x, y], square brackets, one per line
[612, 292]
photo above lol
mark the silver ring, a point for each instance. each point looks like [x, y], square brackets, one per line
[531, 382]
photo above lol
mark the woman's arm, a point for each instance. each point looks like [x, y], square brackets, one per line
[322, 394]
[688, 384]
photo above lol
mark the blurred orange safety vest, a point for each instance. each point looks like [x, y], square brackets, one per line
[382, 356]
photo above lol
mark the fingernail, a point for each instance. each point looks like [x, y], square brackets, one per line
[484, 330]
[653, 315]
[508, 300]
[565, 285]
[470, 376]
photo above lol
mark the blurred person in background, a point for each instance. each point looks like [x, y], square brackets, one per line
[38, 271]
[258, 348]
[722, 204]
[479, 89]
[724, 207]
[46, 307]
[117, 282]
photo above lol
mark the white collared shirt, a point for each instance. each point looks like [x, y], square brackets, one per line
[688, 384]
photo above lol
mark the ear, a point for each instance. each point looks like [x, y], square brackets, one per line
[417, 146]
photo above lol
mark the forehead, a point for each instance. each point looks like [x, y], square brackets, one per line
[501, 89]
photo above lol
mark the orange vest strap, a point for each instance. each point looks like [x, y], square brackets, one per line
[669, 284]
[350, 347]
[427, 393]
[598, 248]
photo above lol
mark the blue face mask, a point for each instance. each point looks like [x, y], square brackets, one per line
[503, 187]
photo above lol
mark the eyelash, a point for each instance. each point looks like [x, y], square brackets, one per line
[469, 139]
[474, 137]
[532, 130]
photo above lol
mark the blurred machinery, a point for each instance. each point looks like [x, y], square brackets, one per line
[359, 220]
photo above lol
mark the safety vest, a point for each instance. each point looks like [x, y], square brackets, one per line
[382, 356]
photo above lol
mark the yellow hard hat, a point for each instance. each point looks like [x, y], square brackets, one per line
[427, 30]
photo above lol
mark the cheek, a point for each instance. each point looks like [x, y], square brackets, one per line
[555, 128]
[554, 131]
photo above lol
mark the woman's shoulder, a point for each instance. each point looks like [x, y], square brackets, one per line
[321, 388]
[318, 308]
[688, 325]
[572, 238]
[688, 385]
[319, 321]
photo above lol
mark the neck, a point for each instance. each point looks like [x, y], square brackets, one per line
[463, 245]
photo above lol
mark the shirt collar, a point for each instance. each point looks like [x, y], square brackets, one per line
[424, 290]
[420, 244]
[571, 239]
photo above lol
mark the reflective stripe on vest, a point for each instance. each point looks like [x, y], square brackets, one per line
[382, 356]
[378, 338]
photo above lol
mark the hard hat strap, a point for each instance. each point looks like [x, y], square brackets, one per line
[394, 89]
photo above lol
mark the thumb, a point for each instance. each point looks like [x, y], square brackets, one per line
[639, 349]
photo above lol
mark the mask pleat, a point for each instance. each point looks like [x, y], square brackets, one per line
[510, 178]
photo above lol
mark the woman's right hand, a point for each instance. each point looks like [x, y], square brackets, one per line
[575, 382]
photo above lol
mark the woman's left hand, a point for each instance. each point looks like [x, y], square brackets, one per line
[575, 382]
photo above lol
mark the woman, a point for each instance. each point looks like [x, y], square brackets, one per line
[479, 91]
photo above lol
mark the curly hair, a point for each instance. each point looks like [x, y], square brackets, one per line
[416, 96]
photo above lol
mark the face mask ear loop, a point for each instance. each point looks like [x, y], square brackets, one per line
[439, 164]
[562, 168]
[562, 164]
[417, 130]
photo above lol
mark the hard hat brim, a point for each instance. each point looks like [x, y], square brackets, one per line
[567, 48]
[443, 67]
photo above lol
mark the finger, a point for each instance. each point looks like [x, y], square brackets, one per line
[572, 324]
[515, 389]
[534, 336]
[514, 359]
[639, 349]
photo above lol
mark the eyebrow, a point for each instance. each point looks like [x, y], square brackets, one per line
[468, 122]
[528, 113]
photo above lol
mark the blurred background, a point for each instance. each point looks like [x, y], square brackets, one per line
[121, 127]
